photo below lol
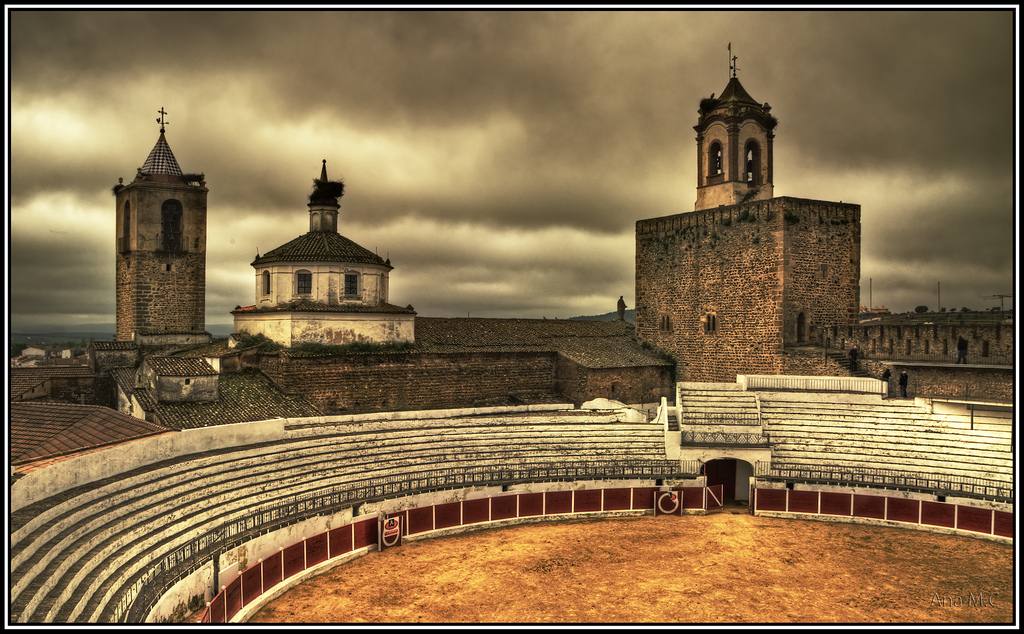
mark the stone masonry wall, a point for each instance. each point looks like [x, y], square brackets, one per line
[992, 384]
[152, 299]
[811, 363]
[934, 342]
[821, 277]
[378, 382]
[755, 266]
[629, 385]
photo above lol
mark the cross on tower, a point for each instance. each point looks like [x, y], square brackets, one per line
[161, 119]
[732, 61]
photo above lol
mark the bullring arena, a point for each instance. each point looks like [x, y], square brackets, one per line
[773, 490]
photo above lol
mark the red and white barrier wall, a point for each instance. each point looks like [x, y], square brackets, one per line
[271, 575]
[974, 518]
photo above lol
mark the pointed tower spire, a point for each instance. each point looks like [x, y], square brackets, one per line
[323, 171]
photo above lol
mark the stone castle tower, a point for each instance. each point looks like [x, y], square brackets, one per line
[161, 252]
[747, 283]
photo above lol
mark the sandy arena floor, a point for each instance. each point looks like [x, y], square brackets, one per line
[726, 567]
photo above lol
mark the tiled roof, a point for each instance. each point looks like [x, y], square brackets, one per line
[734, 91]
[22, 384]
[180, 366]
[320, 307]
[215, 348]
[125, 379]
[43, 430]
[320, 246]
[243, 396]
[592, 344]
[161, 160]
[50, 372]
[113, 345]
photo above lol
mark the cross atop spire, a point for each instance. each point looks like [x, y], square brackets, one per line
[161, 120]
[732, 61]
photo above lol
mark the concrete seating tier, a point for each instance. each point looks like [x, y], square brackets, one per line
[864, 431]
[71, 554]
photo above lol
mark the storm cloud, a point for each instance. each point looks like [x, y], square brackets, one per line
[501, 159]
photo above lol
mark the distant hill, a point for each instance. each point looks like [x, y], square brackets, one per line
[85, 332]
[630, 316]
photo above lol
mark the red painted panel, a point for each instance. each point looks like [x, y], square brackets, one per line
[316, 549]
[803, 501]
[903, 510]
[421, 520]
[771, 499]
[693, 497]
[531, 504]
[617, 499]
[294, 559]
[643, 498]
[446, 515]
[341, 540]
[557, 502]
[974, 519]
[365, 532]
[272, 570]
[869, 506]
[251, 587]
[233, 597]
[1004, 523]
[217, 609]
[474, 511]
[835, 503]
[586, 500]
[938, 514]
[503, 507]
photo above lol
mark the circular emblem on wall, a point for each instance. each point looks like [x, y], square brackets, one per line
[391, 532]
[668, 502]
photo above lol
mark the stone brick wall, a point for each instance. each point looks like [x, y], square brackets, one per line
[754, 266]
[151, 298]
[995, 384]
[811, 363]
[76, 390]
[379, 382]
[934, 342]
[629, 385]
[821, 278]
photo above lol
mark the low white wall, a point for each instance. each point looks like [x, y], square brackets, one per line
[173, 605]
[810, 383]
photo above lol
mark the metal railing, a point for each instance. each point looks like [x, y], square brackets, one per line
[965, 486]
[717, 438]
[715, 418]
[139, 594]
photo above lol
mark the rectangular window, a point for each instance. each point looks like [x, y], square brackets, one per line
[304, 283]
[351, 284]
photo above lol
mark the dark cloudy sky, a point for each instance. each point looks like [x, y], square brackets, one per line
[501, 159]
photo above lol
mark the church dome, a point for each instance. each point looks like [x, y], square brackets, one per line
[321, 246]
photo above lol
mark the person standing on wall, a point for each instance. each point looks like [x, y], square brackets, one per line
[854, 355]
[904, 380]
[621, 307]
[961, 350]
[887, 376]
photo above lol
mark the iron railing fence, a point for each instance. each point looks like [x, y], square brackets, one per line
[138, 595]
[965, 486]
[716, 438]
[716, 418]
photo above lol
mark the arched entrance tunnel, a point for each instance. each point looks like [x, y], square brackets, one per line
[734, 476]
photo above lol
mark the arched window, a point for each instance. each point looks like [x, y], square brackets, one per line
[752, 155]
[303, 283]
[715, 159]
[710, 323]
[266, 282]
[801, 328]
[170, 226]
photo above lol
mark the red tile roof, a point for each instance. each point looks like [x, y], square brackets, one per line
[45, 430]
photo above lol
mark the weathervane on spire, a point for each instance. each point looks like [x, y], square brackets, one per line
[732, 61]
[161, 119]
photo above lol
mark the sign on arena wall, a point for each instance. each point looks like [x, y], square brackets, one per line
[389, 531]
[666, 502]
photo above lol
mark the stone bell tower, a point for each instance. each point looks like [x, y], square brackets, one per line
[734, 148]
[161, 251]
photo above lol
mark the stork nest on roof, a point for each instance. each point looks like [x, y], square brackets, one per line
[327, 191]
